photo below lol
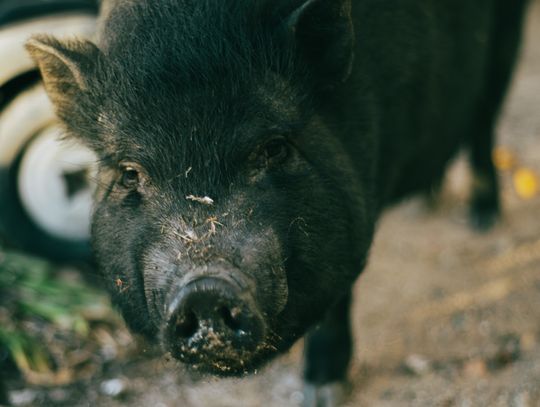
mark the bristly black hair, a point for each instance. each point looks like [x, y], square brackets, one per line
[198, 40]
[186, 73]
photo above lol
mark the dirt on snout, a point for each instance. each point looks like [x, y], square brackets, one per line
[443, 316]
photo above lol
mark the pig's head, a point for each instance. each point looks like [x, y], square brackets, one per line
[228, 215]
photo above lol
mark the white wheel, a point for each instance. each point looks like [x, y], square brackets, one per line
[53, 181]
[45, 183]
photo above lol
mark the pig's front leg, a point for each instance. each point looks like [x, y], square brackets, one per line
[327, 354]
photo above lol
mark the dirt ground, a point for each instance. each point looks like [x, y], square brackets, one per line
[443, 316]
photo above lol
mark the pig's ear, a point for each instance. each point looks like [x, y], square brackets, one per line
[65, 67]
[324, 35]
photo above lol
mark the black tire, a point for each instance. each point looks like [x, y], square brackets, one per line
[18, 20]
[15, 10]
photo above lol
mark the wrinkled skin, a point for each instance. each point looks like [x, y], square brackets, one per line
[258, 141]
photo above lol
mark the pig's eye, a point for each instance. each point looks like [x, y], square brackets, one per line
[130, 177]
[276, 150]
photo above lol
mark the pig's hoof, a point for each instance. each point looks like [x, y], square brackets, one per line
[327, 395]
[483, 219]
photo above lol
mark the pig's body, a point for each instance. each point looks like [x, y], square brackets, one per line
[437, 70]
[248, 148]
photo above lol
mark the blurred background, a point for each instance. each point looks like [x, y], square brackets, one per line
[443, 316]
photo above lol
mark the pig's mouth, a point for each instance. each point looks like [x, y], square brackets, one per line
[214, 327]
[216, 355]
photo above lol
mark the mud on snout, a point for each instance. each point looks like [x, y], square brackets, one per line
[218, 317]
[215, 326]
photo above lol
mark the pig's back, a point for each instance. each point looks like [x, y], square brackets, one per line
[426, 63]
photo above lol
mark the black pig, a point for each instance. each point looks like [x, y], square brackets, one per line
[247, 147]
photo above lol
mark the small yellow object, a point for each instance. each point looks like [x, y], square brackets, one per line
[526, 183]
[503, 159]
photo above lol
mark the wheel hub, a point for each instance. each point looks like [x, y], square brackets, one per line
[54, 186]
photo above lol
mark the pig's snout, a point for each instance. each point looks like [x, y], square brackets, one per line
[211, 321]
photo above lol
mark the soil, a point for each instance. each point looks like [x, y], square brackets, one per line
[443, 316]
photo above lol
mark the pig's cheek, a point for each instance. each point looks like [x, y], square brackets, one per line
[269, 272]
[161, 277]
[272, 292]
[155, 282]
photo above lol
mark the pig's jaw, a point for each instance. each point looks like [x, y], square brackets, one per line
[215, 356]
[218, 359]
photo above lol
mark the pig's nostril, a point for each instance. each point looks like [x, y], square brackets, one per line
[212, 318]
[186, 325]
[231, 317]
